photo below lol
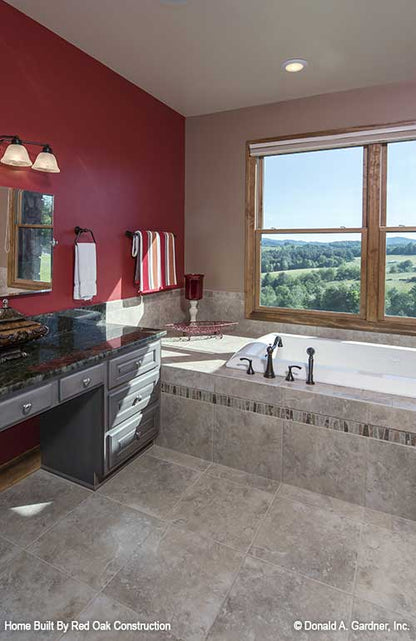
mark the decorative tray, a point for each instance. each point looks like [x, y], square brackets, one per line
[202, 328]
[15, 331]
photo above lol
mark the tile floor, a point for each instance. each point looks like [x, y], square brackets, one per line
[219, 554]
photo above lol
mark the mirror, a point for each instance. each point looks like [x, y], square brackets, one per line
[26, 241]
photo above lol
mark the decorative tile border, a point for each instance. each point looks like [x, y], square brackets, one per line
[299, 416]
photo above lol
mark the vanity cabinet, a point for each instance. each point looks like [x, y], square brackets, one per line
[130, 366]
[95, 419]
[27, 404]
[76, 384]
[128, 400]
[132, 435]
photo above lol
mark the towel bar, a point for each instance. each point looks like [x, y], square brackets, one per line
[130, 234]
[83, 230]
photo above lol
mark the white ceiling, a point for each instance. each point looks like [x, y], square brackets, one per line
[202, 56]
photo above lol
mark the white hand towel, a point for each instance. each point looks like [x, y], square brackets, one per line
[85, 274]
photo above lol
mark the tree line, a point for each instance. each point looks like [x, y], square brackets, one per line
[335, 286]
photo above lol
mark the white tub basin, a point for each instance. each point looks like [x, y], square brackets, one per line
[379, 368]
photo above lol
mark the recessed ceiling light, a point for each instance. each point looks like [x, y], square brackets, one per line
[293, 65]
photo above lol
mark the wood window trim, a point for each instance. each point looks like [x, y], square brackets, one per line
[15, 209]
[374, 231]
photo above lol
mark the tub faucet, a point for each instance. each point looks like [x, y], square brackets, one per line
[269, 373]
[289, 376]
[310, 352]
[250, 369]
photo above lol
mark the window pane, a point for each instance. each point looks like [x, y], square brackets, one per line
[401, 275]
[34, 260]
[37, 208]
[313, 189]
[401, 185]
[311, 271]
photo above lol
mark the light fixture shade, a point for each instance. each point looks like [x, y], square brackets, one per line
[46, 161]
[16, 155]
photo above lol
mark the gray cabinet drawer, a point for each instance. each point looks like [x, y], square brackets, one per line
[81, 381]
[129, 437]
[133, 398]
[23, 406]
[124, 368]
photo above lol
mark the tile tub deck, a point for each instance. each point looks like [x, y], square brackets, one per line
[355, 445]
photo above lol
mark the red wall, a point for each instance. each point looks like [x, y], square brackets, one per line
[121, 154]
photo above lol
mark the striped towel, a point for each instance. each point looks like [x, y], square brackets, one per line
[155, 261]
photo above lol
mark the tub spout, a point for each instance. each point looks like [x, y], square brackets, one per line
[269, 373]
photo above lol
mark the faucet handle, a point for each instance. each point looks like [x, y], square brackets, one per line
[290, 376]
[250, 369]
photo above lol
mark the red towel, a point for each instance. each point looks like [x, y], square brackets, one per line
[155, 261]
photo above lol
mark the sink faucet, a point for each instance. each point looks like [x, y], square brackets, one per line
[269, 373]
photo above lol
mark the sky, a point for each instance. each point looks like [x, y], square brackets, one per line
[324, 189]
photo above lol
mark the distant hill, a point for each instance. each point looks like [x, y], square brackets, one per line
[391, 242]
[400, 240]
[269, 242]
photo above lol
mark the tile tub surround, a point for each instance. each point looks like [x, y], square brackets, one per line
[229, 305]
[177, 569]
[318, 438]
[151, 310]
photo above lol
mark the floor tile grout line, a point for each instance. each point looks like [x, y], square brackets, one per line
[97, 591]
[163, 534]
[282, 457]
[188, 467]
[101, 591]
[207, 537]
[262, 520]
[357, 566]
[394, 612]
[59, 520]
[296, 573]
[212, 474]
[214, 423]
[184, 493]
[62, 571]
[320, 507]
[223, 602]
[140, 510]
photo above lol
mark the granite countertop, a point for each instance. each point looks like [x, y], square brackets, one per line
[77, 338]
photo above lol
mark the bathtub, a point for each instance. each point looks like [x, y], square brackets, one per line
[368, 366]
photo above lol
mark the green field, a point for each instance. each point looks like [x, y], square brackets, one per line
[45, 268]
[402, 281]
[326, 276]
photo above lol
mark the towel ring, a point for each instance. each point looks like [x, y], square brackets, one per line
[83, 230]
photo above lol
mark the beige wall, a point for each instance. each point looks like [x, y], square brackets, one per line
[215, 166]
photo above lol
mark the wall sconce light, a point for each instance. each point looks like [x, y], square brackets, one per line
[16, 155]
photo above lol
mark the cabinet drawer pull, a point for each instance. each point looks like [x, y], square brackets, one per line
[138, 363]
[26, 407]
[86, 381]
[137, 399]
[138, 434]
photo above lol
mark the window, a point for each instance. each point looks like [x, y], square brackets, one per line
[31, 231]
[331, 229]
